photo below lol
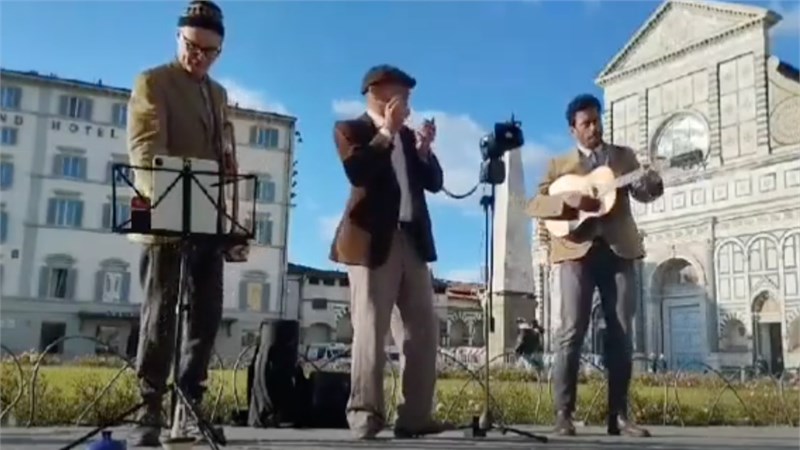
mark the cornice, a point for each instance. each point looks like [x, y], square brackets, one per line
[605, 80]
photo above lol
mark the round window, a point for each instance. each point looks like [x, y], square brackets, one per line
[682, 133]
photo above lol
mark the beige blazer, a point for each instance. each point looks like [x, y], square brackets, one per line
[167, 115]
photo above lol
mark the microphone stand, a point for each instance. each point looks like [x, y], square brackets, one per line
[482, 425]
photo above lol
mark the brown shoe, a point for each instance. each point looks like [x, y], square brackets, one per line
[148, 430]
[433, 427]
[364, 425]
[619, 425]
[564, 425]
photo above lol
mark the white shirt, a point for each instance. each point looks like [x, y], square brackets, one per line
[400, 172]
[592, 155]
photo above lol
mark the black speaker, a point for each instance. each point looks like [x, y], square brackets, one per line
[329, 394]
[274, 368]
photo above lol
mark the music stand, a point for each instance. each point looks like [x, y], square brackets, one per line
[216, 226]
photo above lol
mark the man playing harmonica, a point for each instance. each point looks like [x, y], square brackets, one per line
[385, 239]
[176, 109]
[601, 256]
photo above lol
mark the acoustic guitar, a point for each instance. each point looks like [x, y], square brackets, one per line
[601, 184]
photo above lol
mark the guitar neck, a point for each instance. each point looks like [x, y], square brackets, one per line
[629, 178]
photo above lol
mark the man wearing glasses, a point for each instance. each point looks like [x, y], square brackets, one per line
[176, 109]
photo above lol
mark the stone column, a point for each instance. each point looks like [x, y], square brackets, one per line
[512, 282]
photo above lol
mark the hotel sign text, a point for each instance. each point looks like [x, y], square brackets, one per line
[70, 127]
[87, 130]
[16, 119]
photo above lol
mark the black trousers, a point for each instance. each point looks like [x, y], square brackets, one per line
[614, 277]
[160, 278]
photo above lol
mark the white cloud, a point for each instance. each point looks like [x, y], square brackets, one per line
[458, 136]
[790, 25]
[245, 97]
[327, 226]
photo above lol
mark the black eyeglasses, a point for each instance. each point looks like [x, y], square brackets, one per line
[194, 47]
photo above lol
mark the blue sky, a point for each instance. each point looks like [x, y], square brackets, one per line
[476, 62]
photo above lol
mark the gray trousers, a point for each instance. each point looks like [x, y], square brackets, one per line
[160, 275]
[396, 297]
[614, 278]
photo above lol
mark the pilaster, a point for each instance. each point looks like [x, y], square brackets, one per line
[643, 146]
[715, 130]
[762, 103]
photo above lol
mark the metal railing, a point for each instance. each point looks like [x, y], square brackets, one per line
[781, 387]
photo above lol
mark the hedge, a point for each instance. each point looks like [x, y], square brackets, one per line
[64, 391]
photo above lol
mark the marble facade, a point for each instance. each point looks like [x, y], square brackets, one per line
[720, 284]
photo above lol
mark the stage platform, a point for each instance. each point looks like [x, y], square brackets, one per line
[728, 438]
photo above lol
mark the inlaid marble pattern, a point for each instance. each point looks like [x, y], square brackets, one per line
[625, 122]
[698, 196]
[792, 178]
[688, 93]
[767, 182]
[737, 107]
[742, 187]
[720, 192]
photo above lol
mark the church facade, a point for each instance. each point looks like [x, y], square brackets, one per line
[720, 284]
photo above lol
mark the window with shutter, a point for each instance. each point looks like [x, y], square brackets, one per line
[58, 283]
[6, 175]
[3, 226]
[8, 136]
[254, 296]
[10, 97]
[65, 212]
[75, 107]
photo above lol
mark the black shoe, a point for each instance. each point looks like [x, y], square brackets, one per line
[564, 425]
[148, 431]
[619, 425]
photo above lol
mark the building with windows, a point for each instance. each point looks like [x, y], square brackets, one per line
[63, 271]
[720, 284]
[323, 297]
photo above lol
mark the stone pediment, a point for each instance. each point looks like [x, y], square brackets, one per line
[680, 25]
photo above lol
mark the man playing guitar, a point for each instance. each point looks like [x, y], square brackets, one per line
[599, 254]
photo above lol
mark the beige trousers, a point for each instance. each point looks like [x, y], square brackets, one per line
[403, 281]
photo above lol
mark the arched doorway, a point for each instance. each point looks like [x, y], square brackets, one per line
[344, 329]
[767, 332]
[477, 333]
[318, 333]
[458, 333]
[678, 290]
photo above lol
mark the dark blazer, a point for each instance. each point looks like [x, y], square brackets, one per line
[370, 220]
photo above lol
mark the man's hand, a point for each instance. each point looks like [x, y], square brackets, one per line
[425, 138]
[650, 178]
[395, 114]
[581, 202]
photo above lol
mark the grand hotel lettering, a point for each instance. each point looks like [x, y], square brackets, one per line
[71, 127]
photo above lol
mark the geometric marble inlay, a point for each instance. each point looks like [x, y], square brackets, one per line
[742, 188]
[766, 183]
[678, 200]
[792, 178]
[720, 192]
[698, 196]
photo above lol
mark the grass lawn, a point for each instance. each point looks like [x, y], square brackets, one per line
[63, 392]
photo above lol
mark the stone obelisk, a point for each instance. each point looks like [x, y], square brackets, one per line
[512, 283]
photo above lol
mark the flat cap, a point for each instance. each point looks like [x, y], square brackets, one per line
[385, 73]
